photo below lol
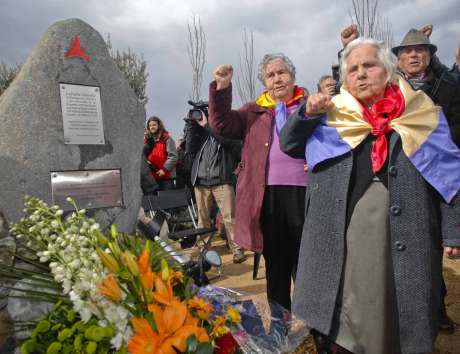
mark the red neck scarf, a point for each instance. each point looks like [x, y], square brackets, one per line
[379, 116]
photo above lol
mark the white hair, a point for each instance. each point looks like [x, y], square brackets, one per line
[268, 58]
[384, 55]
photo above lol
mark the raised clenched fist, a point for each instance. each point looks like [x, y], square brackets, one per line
[223, 75]
[318, 104]
[427, 29]
[348, 34]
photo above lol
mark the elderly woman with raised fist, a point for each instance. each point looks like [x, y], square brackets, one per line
[270, 192]
[382, 203]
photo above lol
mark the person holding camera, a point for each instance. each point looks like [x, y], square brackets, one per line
[160, 152]
[327, 85]
[214, 161]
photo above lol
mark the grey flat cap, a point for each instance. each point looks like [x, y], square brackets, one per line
[415, 37]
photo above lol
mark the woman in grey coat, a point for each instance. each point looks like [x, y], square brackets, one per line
[381, 205]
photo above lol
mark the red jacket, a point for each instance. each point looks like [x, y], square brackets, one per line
[254, 125]
[159, 155]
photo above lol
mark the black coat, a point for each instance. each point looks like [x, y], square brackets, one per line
[420, 223]
[229, 151]
[445, 92]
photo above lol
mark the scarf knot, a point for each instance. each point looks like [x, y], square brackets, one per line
[379, 116]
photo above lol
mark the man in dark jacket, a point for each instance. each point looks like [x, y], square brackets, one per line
[424, 72]
[415, 54]
[214, 161]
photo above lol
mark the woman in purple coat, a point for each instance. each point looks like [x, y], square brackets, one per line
[270, 194]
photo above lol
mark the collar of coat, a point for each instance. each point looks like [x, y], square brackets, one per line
[266, 101]
[423, 129]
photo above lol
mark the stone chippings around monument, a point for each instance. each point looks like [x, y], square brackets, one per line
[31, 125]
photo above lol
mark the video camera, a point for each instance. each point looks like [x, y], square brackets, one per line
[198, 108]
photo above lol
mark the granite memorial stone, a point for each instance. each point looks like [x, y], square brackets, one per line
[102, 116]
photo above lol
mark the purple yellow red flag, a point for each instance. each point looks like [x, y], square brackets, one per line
[423, 129]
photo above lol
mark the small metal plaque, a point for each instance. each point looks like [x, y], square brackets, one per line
[82, 114]
[90, 189]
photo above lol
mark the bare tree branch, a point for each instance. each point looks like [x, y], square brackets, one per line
[196, 49]
[370, 23]
[246, 75]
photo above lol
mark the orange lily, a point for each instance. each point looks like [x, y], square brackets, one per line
[145, 340]
[148, 279]
[203, 308]
[174, 326]
[176, 277]
[180, 337]
[130, 263]
[163, 292]
[109, 288]
[144, 261]
[171, 318]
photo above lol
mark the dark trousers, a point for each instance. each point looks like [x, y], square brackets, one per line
[281, 220]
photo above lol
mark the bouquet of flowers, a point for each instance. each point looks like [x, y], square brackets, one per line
[112, 293]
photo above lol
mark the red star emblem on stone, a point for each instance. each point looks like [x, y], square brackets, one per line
[76, 50]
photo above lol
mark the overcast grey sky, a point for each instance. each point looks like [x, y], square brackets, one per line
[305, 30]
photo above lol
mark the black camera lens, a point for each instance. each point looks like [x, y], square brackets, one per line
[196, 114]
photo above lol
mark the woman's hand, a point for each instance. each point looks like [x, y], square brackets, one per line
[160, 173]
[348, 34]
[318, 104]
[223, 76]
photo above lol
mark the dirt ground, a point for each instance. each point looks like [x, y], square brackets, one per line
[239, 277]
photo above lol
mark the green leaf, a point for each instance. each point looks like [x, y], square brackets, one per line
[64, 334]
[204, 348]
[67, 349]
[191, 344]
[98, 334]
[28, 346]
[78, 342]
[43, 326]
[54, 348]
[91, 348]
[56, 327]
[71, 315]
[113, 231]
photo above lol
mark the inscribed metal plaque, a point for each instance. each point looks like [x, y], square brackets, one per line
[90, 189]
[82, 114]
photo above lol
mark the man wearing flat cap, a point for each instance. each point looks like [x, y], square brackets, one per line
[415, 54]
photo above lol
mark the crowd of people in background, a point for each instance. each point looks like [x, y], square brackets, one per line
[352, 193]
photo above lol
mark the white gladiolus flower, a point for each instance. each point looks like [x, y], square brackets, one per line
[75, 264]
[117, 341]
[85, 314]
[66, 285]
